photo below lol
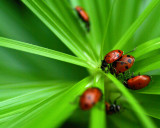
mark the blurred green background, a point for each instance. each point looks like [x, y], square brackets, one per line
[19, 23]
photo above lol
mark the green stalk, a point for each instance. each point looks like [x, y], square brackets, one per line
[98, 115]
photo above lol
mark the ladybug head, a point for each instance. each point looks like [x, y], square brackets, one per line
[104, 63]
[125, 83]
[78, 8]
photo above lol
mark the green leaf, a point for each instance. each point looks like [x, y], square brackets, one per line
[146, 48]
[4, 42]
[150, 67]
[133, 103]
[105, 38]
[142, 65]
[129, 33]
[153, 101]
[21, 102]
[41, 9]
[45, 109]
[98, 115]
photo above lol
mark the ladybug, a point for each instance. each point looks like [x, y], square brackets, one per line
[138, 82]
[112, 108]
[123, 64]
[111, 57]
[83, 15]
[89, 98]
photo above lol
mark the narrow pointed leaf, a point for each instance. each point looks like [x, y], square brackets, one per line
[4, 42]
[124, 39]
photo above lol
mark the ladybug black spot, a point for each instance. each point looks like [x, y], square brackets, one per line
[119, 51]
[119, 71]
[86, 105]
[128, 55]
[126, 67]
[122, 63]
[89, 97]
[130, 61]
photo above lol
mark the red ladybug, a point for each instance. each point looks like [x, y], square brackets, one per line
[111, 57]
[138, 82]
[83, 15]
[123, 64]
[89, 98]
[112, 108]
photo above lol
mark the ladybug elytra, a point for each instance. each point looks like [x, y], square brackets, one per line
[138, 82]
[89, 98]
[125, 63]
[111, 57]
[83, 15]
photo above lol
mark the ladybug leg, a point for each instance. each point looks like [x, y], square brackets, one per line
[88, 26]
[132, 75]
[139, 74]
[108, 68]
[111, 69]
[124, 76]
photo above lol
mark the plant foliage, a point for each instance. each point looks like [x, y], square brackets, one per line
[39, 79]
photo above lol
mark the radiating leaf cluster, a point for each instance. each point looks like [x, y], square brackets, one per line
[37, 91]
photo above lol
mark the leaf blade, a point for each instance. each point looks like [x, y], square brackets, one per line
[132, 101]
[21, 46]
[136, 25]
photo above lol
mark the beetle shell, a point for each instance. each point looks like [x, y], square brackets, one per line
[113, 56]
[89, 98]
[126, 63]
[138, 82]
[82, 13]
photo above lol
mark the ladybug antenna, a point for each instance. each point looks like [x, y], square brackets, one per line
[115, 101]
[131, 51]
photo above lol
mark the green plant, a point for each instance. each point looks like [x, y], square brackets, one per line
[46, 102]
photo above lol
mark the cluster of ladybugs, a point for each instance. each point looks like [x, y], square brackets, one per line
[118, 65]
